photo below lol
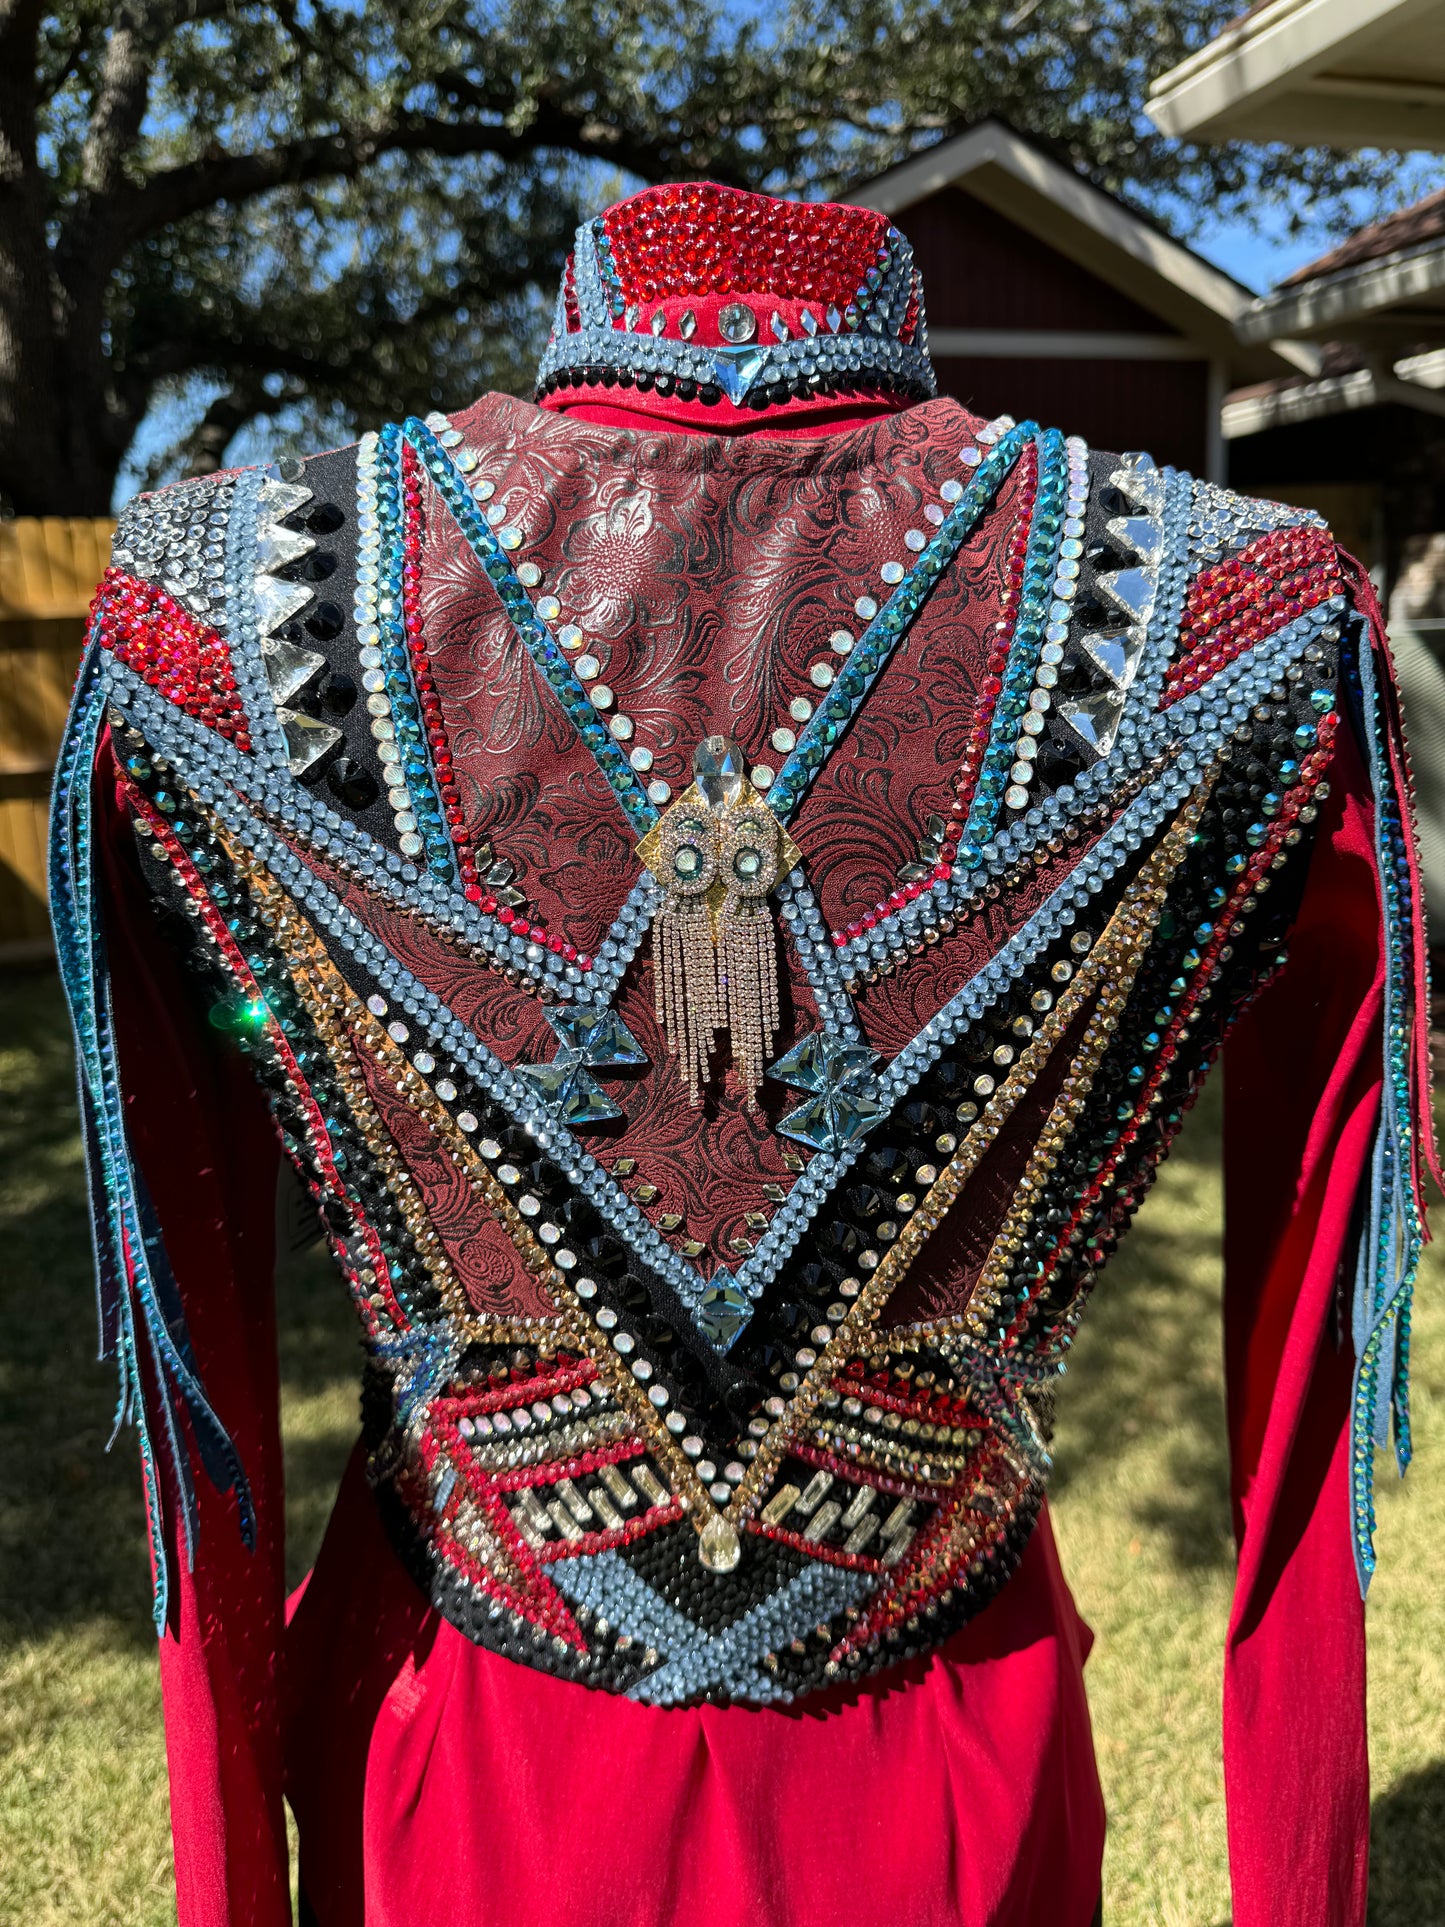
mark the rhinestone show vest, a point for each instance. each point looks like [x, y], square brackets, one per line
[727, 932]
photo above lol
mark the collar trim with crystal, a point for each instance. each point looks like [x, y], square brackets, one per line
[720, 296]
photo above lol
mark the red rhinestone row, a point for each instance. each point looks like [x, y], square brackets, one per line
[831, 1555]
[540, 1604]
[187, 662]
[697, 238]
[1246, 597]
[902, 1599]
[845, 1466]
[652, 1520]
[548, 1472]
[521, 1387]
[901, 1395]
[276, 1037]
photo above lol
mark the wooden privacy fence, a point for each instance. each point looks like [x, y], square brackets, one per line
[49, 567]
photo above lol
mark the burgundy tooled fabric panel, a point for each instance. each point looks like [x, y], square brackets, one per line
[710, 1196]
[477, 1248]
[896, 1008]
[706, 580]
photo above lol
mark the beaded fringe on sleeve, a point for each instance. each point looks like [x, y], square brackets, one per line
[1391, 1215]
[141, 1322]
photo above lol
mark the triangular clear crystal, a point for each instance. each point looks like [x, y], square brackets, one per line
[736, 369]
[1132, 590]
[288, 668]
[599, 1037]
[1140, 534]
[307, 741]
[277, 601]
[573, 1090]
[1093, 719]
[1116, 652]
[275, 547]
[832, 1119]
[819, 1062]
[1141, 481]
[280, 499]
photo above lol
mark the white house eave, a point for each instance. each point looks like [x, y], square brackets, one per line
[1369, 293]
[1415, 382]
[1293, 48]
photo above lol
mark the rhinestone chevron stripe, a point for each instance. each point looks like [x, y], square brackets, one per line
[597, 1454]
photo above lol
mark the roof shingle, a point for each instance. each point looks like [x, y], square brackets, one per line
[1412, 227]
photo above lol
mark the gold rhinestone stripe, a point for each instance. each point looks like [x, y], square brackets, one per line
[1118, 953]
[343, 1022]
[1135, 934]
[308, 960]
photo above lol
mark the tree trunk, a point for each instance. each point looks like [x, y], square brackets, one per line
[33, 477]
[63, 432]
[30, 456]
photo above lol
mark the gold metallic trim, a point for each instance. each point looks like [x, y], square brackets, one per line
[1114, 958]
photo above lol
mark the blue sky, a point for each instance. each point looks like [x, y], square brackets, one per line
[1258, 260]
[1258, 257]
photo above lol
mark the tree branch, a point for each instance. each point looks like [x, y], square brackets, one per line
[249, 348]
[205, 446]
[19, 27]
[137, 34]
[19, 93]
[177, 192]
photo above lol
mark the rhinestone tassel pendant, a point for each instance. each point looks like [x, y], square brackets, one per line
[686, 992]
[751, 841]
[717, 853]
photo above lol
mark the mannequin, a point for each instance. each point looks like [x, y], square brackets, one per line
[726, 925]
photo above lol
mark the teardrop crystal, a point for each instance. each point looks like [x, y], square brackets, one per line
[718, 1546]
[719, 770]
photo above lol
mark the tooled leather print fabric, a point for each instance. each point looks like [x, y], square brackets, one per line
[729, 1393]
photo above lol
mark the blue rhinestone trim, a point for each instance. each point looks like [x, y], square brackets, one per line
[534, 634]
[874, 648]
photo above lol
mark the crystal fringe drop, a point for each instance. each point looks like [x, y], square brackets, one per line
[717, 853]
[686, 991]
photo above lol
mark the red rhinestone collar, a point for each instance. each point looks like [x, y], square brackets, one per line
[715, 296]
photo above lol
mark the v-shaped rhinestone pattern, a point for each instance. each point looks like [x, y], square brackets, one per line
[673, 1478]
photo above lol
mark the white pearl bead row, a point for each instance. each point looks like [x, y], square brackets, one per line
[841, 642]
[368, 607]
[1065, 587]
[586, 666]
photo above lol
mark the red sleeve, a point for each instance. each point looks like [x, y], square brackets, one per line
[1303, 1084]
[204, 1144]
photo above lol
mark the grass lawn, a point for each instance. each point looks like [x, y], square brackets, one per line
[1140, 1510]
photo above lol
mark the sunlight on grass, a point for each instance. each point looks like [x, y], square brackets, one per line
[1143, 1521]
[1139, 1504]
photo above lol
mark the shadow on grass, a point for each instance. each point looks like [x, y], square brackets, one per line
[72, 1527]
[1407, 1851]
[1146, 1375]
